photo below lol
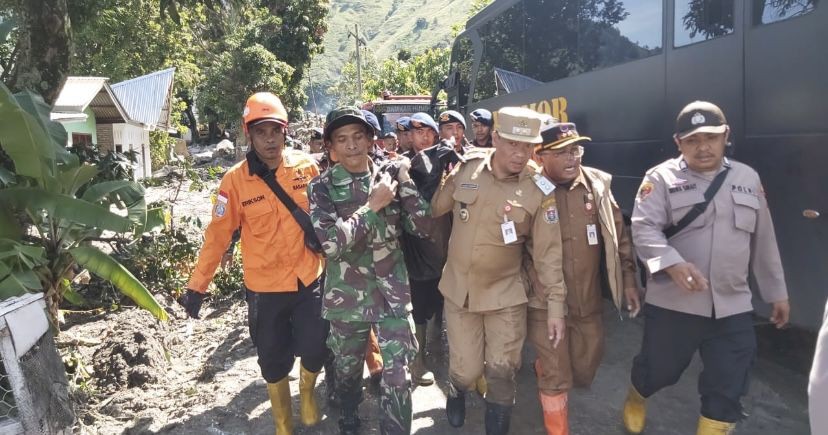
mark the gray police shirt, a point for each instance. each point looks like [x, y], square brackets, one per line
[732, 238]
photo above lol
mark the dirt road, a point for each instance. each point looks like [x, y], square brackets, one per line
[210, 384]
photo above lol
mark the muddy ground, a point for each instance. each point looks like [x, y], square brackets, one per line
[200, 377]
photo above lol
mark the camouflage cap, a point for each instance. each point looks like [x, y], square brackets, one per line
[343, 116]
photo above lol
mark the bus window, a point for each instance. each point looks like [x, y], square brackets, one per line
[552, 39]
[503, 47]
[570, 37]
[611, 36]
[771, 11]
[462, 58]
[700, 20]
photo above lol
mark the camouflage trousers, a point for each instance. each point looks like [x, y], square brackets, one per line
[398, 346]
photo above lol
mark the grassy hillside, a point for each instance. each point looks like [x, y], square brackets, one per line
[387, 26]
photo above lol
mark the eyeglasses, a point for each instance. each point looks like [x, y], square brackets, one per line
[575, 152]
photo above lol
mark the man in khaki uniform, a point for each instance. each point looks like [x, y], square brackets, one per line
[698, 297]
[497, 202]
[596, 246]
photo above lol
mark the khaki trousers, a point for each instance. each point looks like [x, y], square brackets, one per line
[576, 359]
[494, 337]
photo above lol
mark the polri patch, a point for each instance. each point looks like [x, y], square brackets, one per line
[645, 190]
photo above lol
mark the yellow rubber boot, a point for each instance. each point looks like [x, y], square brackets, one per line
[308, 410]
[481, 386]
[279, 393]
[635, 411]
[714, 427]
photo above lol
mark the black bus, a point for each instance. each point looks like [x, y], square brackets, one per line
[623, 69]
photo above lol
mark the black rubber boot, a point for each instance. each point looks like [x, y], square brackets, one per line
[330, 383]
[497, 419]
[350, 396]
[456, 406]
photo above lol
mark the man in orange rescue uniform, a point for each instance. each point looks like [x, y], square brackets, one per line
[283, 273]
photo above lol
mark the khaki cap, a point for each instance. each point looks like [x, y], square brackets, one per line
[518, 124]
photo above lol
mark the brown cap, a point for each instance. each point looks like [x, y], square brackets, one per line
[518, 124]
[700, 117]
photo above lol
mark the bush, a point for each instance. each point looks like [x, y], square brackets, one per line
[161, 143]
[163, 262]
[112, 165]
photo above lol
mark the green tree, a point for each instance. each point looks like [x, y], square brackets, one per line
[416, 76]
[286, 35]
[477, 6]
[44, 47]
[238, 74]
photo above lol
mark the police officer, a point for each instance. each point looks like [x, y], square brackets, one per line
[425, 257]
[285, 280]
[404, 134]
[596, 247]
[699, 254]
[359, 209]
[378, 152]
[482, 127]
[453, 128]
[499, 209]
[389, 142]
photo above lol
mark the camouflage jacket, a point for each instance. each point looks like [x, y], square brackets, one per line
[366, 276]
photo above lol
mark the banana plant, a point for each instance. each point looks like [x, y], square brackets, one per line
[51, 209]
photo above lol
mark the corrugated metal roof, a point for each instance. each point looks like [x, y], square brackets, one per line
[147, 98]
[78, 93]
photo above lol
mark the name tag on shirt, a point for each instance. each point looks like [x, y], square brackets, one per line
[544, 184]
[509, 233]
[592, 234]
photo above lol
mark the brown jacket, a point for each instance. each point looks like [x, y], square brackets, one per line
[619, 261]
[482, 272]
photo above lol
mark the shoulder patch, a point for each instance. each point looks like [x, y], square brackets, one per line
[645, 190]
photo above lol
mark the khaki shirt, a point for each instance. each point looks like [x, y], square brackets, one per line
[733, 237]
[482, 272]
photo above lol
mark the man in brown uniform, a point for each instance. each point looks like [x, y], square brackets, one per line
[496, 198]
[701, 225]
[592, 227]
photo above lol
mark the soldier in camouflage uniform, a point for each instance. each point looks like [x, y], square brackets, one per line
[359, 209]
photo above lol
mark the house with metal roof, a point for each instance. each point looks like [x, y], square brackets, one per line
[147, 99]
[83, 103]
[117, 117]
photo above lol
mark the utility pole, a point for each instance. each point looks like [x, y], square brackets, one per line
[359, 41]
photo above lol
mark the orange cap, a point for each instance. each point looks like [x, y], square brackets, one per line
[264, 106]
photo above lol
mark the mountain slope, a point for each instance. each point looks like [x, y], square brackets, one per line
[387, 26]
